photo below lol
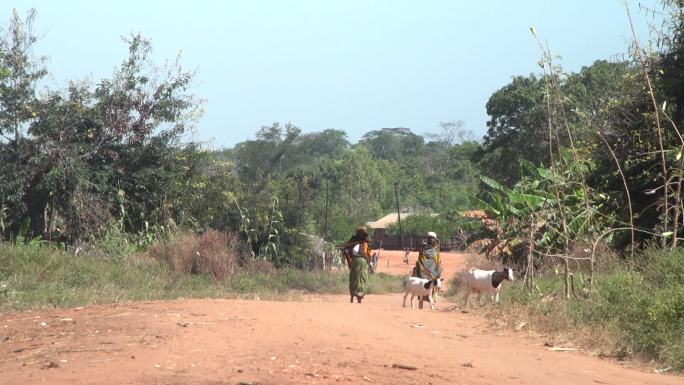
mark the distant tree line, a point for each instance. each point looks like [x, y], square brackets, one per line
[79, 163]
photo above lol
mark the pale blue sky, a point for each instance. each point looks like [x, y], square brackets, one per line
[355, 65]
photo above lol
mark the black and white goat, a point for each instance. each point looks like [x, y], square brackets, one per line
[486, 281]
[421, 288]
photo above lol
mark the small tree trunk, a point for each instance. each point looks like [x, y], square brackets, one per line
[17, 134]
[529, 275]
[51, 220]
[566, 268]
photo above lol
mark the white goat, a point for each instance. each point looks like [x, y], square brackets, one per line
[422, 287]
[486, 281]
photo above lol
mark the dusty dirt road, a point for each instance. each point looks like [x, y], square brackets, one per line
[316, 340]
[392, 262]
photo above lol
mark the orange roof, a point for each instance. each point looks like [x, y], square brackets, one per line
[481, 214]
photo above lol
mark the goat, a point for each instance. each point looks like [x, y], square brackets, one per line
[422, 287]
[486, 281]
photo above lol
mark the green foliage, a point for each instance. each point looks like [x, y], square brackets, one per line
[606, 97]
[532, 205]
[517, 128]
[44, 277]
[19, 73]
[261, 230]
[330, 143]
[392, 143]
[87, 145]
[268, 156]
[598, 96]
[359, 187]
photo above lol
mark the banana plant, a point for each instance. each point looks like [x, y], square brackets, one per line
[264, 242]
[556, 204]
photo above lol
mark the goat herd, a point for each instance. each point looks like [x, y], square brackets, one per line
[477, 281]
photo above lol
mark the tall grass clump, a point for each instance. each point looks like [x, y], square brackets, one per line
[213, 253]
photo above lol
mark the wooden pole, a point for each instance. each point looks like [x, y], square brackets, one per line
[396, 196]
[325, 220]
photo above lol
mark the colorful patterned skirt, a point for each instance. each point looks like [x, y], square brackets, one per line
[358, 277]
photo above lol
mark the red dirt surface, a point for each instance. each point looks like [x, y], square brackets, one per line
[316, 340]
[392, 262]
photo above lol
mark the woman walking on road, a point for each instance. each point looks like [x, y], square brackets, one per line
[358, 253]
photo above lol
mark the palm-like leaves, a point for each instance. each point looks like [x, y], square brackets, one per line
[533, 203]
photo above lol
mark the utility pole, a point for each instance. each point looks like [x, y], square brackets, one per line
[396, 196]
[325, 221]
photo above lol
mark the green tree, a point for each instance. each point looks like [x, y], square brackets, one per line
[270, 154]
[328, 143]
[521, 112]
[517, 128]
[20, 72]
[671, 61]
[392, 143]
[86, 146]
[358, 191]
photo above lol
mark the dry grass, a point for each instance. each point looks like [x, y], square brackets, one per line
[546, 316]
[551, 321]
[634, 310]
[456, 284]
[260, 266]
[212, 252]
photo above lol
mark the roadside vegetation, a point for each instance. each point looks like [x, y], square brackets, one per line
[38, 276]
[633, 311]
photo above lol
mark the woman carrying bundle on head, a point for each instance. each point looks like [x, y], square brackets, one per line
[357, 251]
[429, 263]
